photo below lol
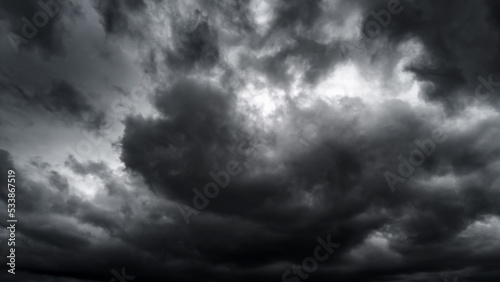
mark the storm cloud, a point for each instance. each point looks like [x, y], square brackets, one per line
[253, 140]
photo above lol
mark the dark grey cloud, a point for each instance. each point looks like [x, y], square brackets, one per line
[37, 24]
[65, 100]
[85, 169]
[314, 168]
[197, 46]
[460, 40]
[295, 22]
[197, 116]
[115, 15]
[62, 100]
[338, 171]
[58, 181]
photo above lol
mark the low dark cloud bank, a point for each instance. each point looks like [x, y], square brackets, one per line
[266, 134]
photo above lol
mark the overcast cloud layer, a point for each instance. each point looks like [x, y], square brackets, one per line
[228, 140]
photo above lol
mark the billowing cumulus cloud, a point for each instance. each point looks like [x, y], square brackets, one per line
[253, 141]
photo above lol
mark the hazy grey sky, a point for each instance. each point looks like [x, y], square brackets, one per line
[223, 140]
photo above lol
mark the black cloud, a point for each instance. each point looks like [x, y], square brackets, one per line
[200, 184]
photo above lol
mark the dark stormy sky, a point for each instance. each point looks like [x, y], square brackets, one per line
[117, 115]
